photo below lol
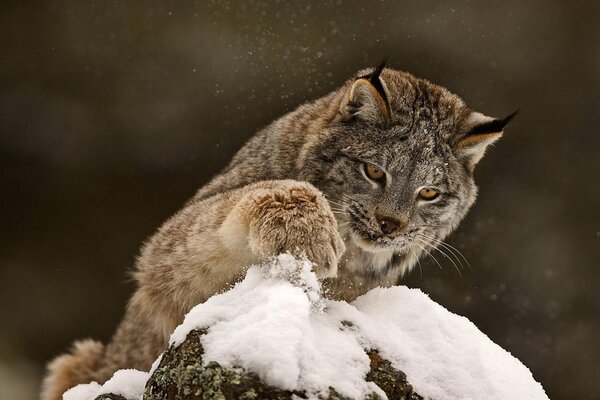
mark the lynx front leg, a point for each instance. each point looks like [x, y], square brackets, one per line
[207, 246]
[290, 216]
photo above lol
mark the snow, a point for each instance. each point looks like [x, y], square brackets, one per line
[443, 355]
[273, 324]
[128, 383]
[276, 324]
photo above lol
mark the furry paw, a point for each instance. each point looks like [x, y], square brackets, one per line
[294, 217]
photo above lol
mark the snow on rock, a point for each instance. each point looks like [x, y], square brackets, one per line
[272, 323]
[443, 355]
[276, 324]
[128, 383]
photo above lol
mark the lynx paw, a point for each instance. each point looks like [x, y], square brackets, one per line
[296, 218]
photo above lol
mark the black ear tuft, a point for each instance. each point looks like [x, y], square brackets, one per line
[494, 126]
[374, 80]
[374, 76]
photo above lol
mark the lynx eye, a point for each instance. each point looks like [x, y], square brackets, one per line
[374, 173]
[428, 194]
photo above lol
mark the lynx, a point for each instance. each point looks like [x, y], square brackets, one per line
[362, 181]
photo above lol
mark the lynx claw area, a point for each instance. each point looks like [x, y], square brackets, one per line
[296, 218]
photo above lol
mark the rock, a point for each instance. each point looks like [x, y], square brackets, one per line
[389, 379]
[110, 396]
[182, 375]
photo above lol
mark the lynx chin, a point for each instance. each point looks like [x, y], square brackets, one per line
[362, 181]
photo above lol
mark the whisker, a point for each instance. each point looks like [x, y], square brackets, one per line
[429, 254]
[346, 231]
[418, 262]
[448, 257]
[451, 253]
[450, 247]
[439, 242]
[453, 250]
[336, 203]
[335, 200]
[345, 197]
[451, 260]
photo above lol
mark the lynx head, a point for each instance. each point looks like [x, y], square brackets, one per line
[397, 162]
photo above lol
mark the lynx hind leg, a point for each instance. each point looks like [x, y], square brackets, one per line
[71, 369]
[295, 217]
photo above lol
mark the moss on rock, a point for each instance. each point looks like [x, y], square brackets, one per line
[182, 375]
[389, 379]
[110, 396]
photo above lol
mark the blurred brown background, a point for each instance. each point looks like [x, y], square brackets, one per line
[113, 114]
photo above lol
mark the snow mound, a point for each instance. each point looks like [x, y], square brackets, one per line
[276, 324]
[128, 383]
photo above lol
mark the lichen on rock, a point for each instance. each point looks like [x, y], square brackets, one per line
[392, 381]
[182, 374]
[110, 396]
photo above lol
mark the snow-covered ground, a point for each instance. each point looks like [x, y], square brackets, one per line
[276, 323]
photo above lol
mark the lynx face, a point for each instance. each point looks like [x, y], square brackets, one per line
[397, 164]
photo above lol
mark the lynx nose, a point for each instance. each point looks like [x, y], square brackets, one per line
[390, 226]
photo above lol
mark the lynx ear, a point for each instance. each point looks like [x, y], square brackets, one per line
[480, 132]
[367, 98]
